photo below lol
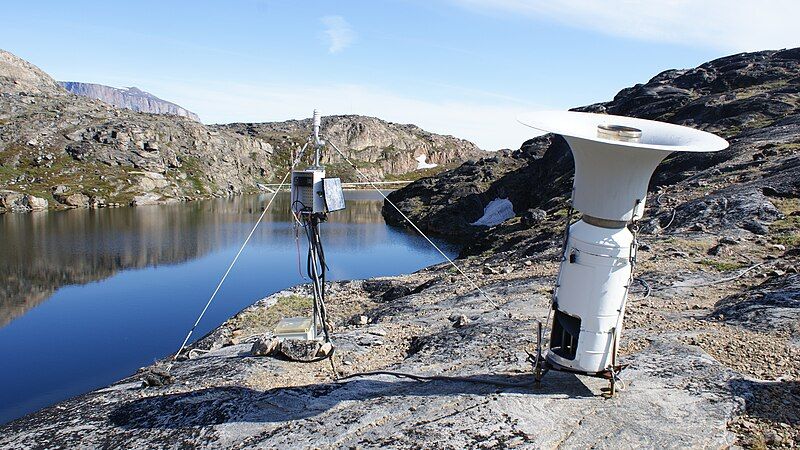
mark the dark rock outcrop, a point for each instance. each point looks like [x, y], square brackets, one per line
[752, 99]
[773, 305]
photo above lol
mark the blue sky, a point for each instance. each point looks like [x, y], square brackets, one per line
[461, 67]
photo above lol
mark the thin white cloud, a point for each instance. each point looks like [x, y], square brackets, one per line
[338, 33]
[490, 124]
[734, 26]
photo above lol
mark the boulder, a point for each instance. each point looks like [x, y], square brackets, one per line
[459, 320]
[718, 249]
[300, 350]
[395, 292]
[146, 199]
[377, 286]
[360, 320]
[755, 226]
[533, 216]
[146, 184]
[98, 202]
[13, 201]
[325, 349]
[77, 200]
[35, 203]
[156, 376]
[264, 345]
[75, 136]
[152, 180]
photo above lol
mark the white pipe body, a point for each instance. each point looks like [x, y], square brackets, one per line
[593, 282]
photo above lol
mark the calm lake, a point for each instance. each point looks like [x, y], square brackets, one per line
[89, 296]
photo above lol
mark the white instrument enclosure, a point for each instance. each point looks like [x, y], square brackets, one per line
[308, 192]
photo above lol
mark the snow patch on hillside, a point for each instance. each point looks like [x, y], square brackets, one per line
[496, 212]
[423, 164]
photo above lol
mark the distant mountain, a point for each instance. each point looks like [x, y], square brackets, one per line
[131, 98]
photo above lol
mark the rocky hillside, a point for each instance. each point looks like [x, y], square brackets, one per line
[751, 99]
[132, 98]
[382, 150]
[60, 150]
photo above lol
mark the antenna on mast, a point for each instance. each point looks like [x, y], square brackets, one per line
[318, 143]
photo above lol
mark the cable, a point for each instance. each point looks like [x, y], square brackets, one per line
[674, 212]
[423, 378]
[316, 268]
[230, 267]
[645, 285]
[297, 245]
[320, 253]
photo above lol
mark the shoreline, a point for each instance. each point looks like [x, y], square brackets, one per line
[19, 202]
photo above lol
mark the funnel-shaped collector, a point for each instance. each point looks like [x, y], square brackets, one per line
[615, 156]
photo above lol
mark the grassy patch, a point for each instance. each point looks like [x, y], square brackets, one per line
[194, 173]
[787, 206]
[760, 122]
[787, 148]
[722, 266]
[341, 170]
[691, 245]
[789, 240]
[786, 231]
[265, 319]
[11, 154]
[7, 174]
[759, 89]
[417, 174]
[89, 177]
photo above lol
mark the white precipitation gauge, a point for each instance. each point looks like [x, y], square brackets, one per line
[615, 157]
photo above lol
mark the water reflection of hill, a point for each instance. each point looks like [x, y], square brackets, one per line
[45, 251]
